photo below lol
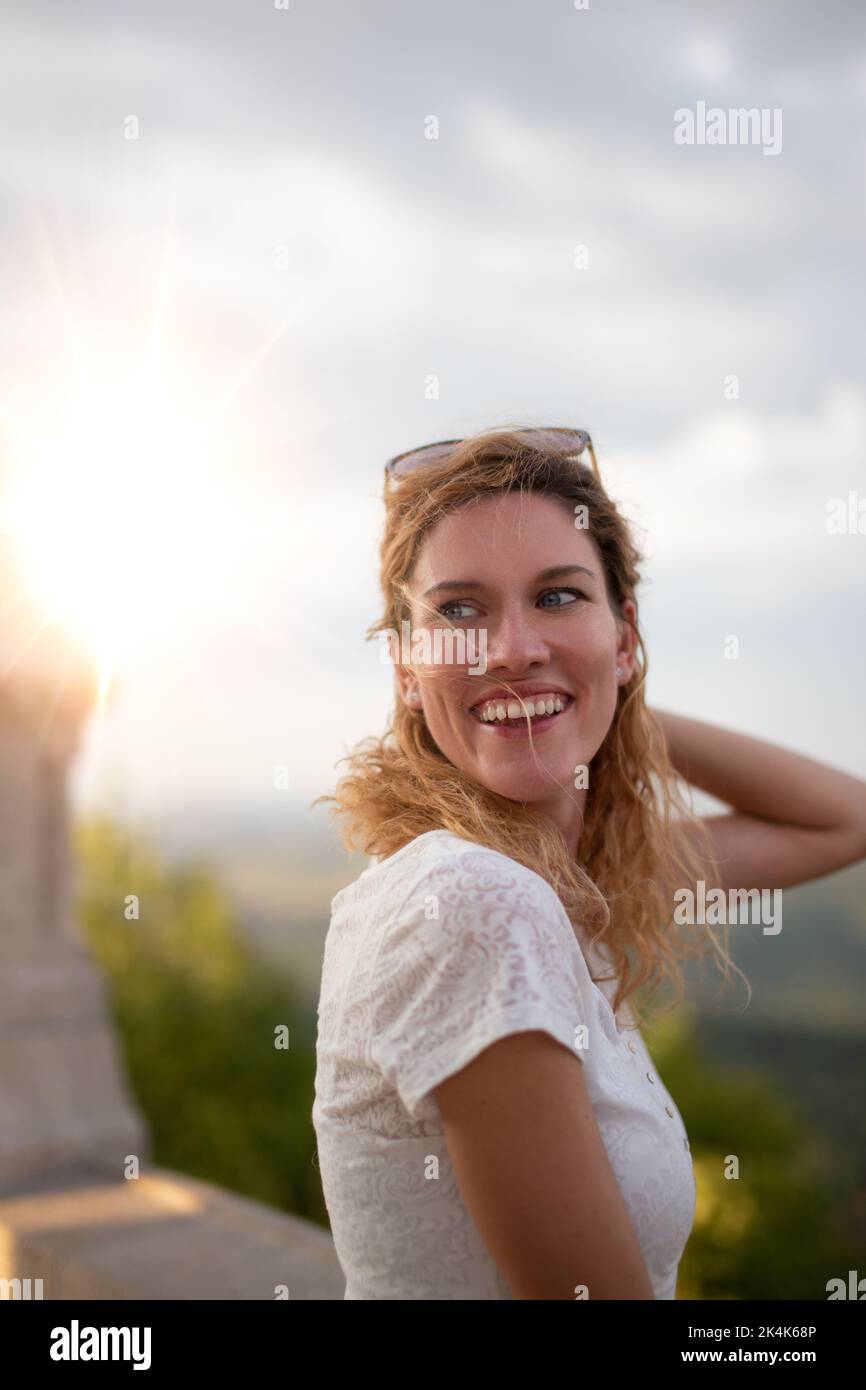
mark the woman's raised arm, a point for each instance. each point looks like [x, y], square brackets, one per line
[793, 819]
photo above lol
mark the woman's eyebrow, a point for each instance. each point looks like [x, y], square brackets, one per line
[554, 572]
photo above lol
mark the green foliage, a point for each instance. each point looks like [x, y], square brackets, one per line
[773, 1231]
[196, 1012]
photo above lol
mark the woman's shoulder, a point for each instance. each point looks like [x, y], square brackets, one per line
[441, 885]
[443, 908]
[471, 868]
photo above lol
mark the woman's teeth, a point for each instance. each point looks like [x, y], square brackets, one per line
[537, 707]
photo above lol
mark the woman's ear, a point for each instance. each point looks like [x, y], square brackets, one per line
[407, 686]
[627, 641]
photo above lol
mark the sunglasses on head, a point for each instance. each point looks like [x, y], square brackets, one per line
[568, 443]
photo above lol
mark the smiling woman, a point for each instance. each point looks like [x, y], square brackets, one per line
[476, 1004]
[490, 1123]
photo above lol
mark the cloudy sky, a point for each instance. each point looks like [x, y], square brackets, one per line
[248, 199]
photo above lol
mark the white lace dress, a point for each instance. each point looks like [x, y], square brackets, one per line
[431, 956]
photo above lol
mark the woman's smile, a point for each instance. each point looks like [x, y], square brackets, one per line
[508, 717]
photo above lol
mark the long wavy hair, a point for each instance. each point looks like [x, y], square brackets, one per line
[631, 859]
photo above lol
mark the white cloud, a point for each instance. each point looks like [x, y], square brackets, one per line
[708, 56]
[748, 491]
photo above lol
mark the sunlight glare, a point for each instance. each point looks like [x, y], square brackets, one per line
[116, 523]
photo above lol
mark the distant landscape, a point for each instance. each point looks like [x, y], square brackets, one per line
[280, 872]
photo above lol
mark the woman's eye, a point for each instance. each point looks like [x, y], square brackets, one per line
[574, 594]
[447, 609]
[455, 603]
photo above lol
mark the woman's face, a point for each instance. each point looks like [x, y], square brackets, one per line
[484, 567]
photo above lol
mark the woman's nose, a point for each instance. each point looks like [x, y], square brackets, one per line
[514, 641]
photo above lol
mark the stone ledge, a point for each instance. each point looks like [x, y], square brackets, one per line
[161, 1236]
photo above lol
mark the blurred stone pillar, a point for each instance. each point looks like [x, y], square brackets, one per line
[63, 1094]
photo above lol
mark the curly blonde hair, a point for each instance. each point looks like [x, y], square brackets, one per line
[630, 859]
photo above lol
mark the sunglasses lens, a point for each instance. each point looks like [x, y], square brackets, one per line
[571, 443]
[420, 458]
[568, 442]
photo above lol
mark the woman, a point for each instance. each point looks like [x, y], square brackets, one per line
[490, 1123]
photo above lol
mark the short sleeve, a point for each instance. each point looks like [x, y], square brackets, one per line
[480, 948]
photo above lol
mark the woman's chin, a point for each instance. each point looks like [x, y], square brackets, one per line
[524, 786]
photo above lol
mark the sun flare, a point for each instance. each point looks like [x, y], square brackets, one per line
[120, 512]
[115, 521]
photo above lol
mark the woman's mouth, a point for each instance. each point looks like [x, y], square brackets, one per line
[515, 719]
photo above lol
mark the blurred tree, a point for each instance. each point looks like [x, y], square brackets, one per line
[197, 1015]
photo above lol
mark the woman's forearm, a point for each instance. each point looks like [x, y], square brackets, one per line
[762, 779]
